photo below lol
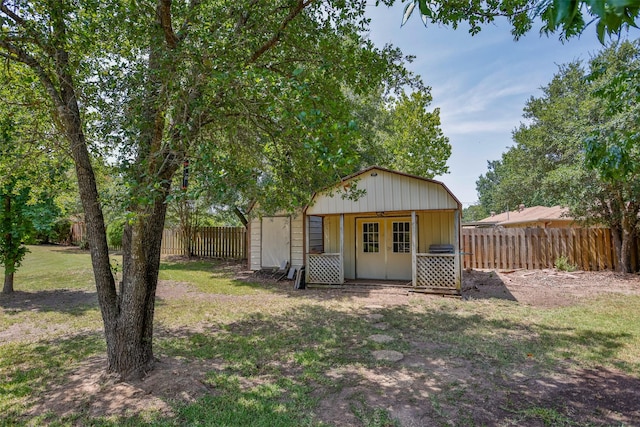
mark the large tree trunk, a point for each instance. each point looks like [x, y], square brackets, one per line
[627, 231]
[8, 280]
[127, 315]
[130, 337]
[626, 244]
[127, 312]
[9, 265]
[616, 240]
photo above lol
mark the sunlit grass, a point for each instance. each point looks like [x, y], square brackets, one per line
[281, 402]
[55, 293]
[601, 331]
[208, 276]
[52, 267]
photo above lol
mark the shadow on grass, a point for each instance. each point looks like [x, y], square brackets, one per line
[30, 369]
[74, 302]
[314, 363]
[460, 368]
[70, 249]
[219, 266]
[484, 285]
[595, 397]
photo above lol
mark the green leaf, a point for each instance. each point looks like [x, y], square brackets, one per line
[408, 10]
[597, 7]
[424, 8]
[600, 30]
[624, 3]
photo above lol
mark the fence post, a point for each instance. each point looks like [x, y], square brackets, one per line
[531, 248]
[211, 242]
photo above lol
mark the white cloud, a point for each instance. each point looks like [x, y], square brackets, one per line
[480, 83]
[479, 126]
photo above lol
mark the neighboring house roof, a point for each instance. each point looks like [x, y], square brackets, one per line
[528, 215]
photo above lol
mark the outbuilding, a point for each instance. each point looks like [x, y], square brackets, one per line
[377, 226]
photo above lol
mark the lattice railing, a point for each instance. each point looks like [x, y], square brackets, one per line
[324, 268]
[436, 270]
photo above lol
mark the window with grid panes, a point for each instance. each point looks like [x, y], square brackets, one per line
[401, 237]
[370, 237]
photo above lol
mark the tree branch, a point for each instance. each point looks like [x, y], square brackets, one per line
[14, 16]
[164, 17]
[193, 5]
[19, 55]
[297, 10]
[24, 23]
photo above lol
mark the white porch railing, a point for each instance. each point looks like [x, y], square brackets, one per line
[436, 271]
[324, 268]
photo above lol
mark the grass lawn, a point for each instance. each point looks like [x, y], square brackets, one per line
[265, 355]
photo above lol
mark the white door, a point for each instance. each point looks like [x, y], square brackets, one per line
[383, 248]
[276, 241]
[370, 249]
[399, 248]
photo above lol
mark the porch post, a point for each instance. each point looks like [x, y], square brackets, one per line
[414, 248]
[457, 265]
[341, 249]
[305, 249]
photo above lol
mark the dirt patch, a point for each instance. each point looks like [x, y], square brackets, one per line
[419, 390]
[89, 390]
[597, 396]
[546, 288]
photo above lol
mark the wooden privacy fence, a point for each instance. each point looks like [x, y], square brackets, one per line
[208, 242]
[589, 249]
[78, 232]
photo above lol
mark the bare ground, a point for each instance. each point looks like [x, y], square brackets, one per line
[406, 389]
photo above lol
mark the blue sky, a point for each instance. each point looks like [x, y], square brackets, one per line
[480, 83]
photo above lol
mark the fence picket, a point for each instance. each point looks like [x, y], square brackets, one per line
[537, 248]
[208, 242]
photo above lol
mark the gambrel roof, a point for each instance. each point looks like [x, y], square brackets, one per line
[383, 190]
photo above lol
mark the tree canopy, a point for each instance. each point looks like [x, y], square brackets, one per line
[568, 18]
[29, 173]
[255, 94]
[578, 147]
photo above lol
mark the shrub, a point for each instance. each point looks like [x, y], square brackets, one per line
[61, 231]
[562, 263]
[114, 233]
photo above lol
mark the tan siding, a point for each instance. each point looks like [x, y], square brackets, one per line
[386, 192]
[297, 241]
[332, 234]
[255, 249]
[435, 228]
[349, 247]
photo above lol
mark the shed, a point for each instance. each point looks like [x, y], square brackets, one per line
[401, 228]
[276, 240]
